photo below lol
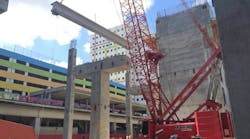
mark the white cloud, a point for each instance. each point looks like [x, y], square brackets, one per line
[27, 20]
[86, 47]
[79, 61]
[63, 64]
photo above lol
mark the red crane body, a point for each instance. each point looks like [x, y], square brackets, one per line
[144, 57]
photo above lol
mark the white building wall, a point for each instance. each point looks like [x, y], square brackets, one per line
[101, 48]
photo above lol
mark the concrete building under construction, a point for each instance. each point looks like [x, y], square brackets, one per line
[185, 51]
[202, 72]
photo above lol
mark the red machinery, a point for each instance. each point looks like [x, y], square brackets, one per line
[164, 122]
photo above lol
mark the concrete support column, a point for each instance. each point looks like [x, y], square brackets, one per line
[113, 127]
[129, 124]
[37, 125]
[70, 94]
[233, 18]
[86, 127]
[99, 121]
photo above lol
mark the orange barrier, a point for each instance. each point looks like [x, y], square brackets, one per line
[11, 130]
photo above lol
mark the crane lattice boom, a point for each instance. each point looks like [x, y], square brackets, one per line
[144, 56]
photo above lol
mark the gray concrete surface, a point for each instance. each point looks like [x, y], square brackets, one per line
[185, 51]
[12, 108]
[99, 121]
[234, 26]
[70, 94]
[129, 125]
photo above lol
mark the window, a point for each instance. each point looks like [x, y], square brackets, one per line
[39, 67]
[79, 85]
[17, 92]
[37, 85]
[3, 68]
[58, 81]
[58, 72]
[4, 57]
[37, 76]
[18, 82]
[87, 79]
[19, 72]
[86, 86]
[2, 79]
[21, 62]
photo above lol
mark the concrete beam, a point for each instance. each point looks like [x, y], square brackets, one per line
[9, 108]
[60, 9]
[37, 125]
[109, 65]
[234, 25]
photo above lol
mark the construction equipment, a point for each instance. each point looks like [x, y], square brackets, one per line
[164, 122]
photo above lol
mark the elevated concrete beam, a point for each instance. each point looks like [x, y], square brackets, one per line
[60, 9]
[28, 110]
[109, 65]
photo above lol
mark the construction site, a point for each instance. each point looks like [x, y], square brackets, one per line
[187, 78]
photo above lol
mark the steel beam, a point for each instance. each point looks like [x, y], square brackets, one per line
[60, 9]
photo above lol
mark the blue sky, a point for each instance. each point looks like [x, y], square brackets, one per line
[29, 24]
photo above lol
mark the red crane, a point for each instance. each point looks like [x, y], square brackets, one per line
[144, 59]
[144, 56]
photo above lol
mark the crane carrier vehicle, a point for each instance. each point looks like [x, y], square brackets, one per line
[206, 122]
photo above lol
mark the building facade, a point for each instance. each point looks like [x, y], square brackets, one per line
[32, 92]
[23, 75]
[101, 48]
[185, 51]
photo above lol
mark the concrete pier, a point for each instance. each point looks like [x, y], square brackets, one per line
[234, 27]
[129, 125]
[69, 96]
[99, 121]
